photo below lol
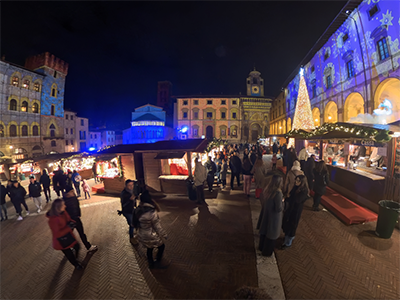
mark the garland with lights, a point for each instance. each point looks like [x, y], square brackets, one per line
[120, 167]
[215, 143]
[380, 136]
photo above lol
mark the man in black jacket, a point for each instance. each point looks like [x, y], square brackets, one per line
[211, 169]
[45, 181]
[35, 191]
[236, 167]
[3, 193]
[128, 203]
[74, 210]
[58, 182]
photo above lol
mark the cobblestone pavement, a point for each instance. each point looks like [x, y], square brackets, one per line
[330, 260]
[210, 250]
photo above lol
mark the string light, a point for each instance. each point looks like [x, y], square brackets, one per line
[303, 118]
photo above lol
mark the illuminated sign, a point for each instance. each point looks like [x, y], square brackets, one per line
[148, 123]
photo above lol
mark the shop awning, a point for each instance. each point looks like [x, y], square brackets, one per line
[166, 155]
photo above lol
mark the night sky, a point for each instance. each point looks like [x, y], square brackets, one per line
[118, 51]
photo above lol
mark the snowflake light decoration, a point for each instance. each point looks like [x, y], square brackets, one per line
[387, 19]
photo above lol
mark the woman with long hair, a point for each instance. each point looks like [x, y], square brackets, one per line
[270, 219]
[290, 177]
[321, 180]
[61, 226]
[260, 172]
[294, 207]
[246, 170]
[150, 232]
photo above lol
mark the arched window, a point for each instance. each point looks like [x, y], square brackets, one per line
[53, 108]
[24, 106]
[15, 81]
[13, 104]
[52, 130]
[54, 90]
[53, 144]
[26, 84]
[24, 130]
[36, 87]
[13, 130]
[35, 130]
[35, 108]
[1, 130]
[36, 148]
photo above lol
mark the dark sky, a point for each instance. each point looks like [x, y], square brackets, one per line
[117, 51]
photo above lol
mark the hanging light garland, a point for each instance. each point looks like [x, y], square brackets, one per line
[215, 143]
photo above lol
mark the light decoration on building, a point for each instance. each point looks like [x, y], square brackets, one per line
[303, 118]
[148, 123]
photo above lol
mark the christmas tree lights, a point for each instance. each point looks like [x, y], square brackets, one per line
[303, 118]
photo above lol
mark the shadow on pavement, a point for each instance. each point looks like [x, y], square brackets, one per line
[54, 282]
[368, 238]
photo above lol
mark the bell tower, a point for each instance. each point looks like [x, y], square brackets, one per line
[255, 84]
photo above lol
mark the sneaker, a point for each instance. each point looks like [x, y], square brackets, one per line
[39, 210]
[134, 241]
[20, 218]
[27, 213]
[93, 248]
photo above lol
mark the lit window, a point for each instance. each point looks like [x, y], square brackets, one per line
[350, 69]
[185, 102]
[35, 130]
[195, 115]
[223, 102]
[223, 115]
[25, 85]
[24, 106]
[35, 108]
[15, 81]
[234, 115]
[36, 87]
[13, 104]
[328, 81]
[209, 102]
[24, 130]
[185, 115]
[196, 102]
[52, 111]
[234, 102]
[209, 115]
[53, 143]
[383, 49]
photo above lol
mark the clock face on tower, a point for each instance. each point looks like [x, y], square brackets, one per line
[255, 90]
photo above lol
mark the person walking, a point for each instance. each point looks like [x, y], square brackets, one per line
[35, 192]
[128, 203]
[270, 219]
[275, 148]
[211, 169]
[246, 169]
[58, 185]
[236, 167]
[45, 182]
[291, 176]
[294, 207]
[150, 232]
[260, 173]
[94, 170]
[200, 175]
[224, 170]
[309, 171]
[86, 188]
[283, 154]
[253, 155]
[303, 156]
[321, 180]
[76, 180]
[74, 211]
[3, 204]
[61, 226]
[17, 195]
[274, 161]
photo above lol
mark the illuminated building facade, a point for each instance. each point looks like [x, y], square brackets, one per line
[354, 67]
[147, 126]
[233, 118]
[32, 106]
[278, 123]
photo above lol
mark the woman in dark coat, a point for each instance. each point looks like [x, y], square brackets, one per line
[309, 171]
[321, 180]
[294, 207]
[45, 182]
[61, 226]
[17, 195]
[270, 219]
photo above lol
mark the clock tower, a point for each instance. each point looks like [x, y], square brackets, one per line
[255, 84]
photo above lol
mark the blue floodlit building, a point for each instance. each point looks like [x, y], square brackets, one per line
[147, 126]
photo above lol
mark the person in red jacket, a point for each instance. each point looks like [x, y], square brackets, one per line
[61, 226]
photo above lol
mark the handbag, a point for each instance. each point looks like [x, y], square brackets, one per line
[66, 240]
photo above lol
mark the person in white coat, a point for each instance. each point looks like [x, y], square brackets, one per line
[200, 175]
[303, 156]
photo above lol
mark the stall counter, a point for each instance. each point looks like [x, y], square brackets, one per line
[173, 184]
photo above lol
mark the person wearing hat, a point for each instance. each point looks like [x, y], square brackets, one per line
[128, 203]
[35, 191]
[17, 194]
[150, 232]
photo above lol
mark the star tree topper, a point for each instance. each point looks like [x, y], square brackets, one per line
[303, 118]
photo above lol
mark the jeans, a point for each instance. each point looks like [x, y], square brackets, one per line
[247, 184]
[317, 199]
[17, 206]
[87, 194]
[57, 190]
[78, 191]
[210, 181]
[159, 254]
[3, 209]
[129, 221]
[38, 202]
[47, 193]
[70, 255]
[233, 175]
[266, 245]
[82, 235]
[200, 194]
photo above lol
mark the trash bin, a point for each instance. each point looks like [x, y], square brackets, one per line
[192, 193]
[387, 218]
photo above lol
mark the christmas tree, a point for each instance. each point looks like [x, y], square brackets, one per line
[303, 118]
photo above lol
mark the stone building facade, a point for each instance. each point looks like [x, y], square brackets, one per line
[233, 118]
[70, 118]
[279, 124]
